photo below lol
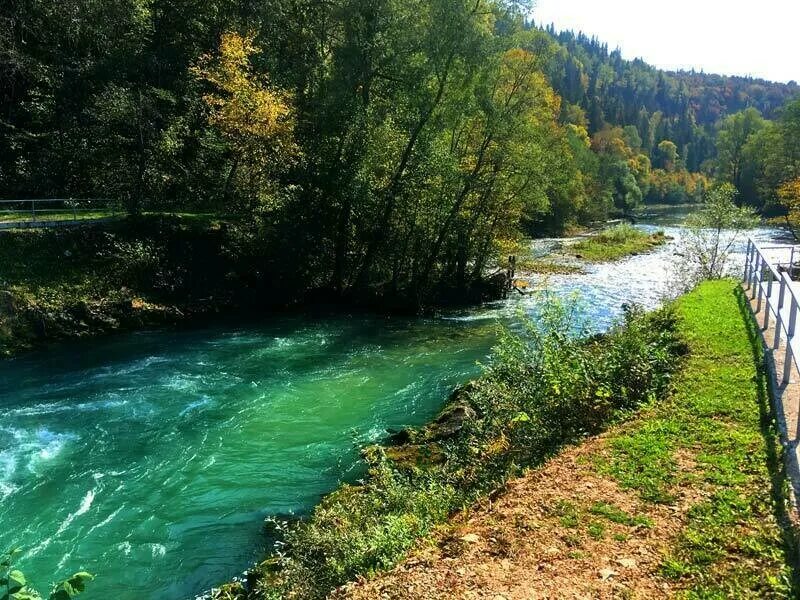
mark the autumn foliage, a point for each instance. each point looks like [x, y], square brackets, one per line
[255, 118]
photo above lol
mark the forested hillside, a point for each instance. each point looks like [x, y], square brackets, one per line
[672, 119]
[382, 146]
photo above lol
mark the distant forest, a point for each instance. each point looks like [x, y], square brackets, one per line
[678, 116]
[392, 145]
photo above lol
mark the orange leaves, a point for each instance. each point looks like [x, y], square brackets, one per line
[789, 194]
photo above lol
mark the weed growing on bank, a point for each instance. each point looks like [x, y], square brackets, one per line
[546, 386]
[618, 242]
[15, 586]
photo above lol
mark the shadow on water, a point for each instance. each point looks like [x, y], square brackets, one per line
[774, 450]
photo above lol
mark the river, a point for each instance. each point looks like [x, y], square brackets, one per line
[152, 459]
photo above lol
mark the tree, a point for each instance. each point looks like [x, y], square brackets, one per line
[789, 198]
[775, 152]
[711, 234]
[255, 118]
[667, 156]
[733, 158]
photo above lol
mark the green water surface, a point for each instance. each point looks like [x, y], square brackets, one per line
[152, 459]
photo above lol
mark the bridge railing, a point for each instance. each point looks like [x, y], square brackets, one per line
[34, 211]
[768, 274]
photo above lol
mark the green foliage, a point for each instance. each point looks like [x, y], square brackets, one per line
[126, 274]
[774, 154]
[14, 585]
[711, 234]
[545, 387]
[682, 108]
[376, 150]
[618, 242]
[736, 156]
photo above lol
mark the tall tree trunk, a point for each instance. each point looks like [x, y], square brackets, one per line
[454, 210]
[393, 189]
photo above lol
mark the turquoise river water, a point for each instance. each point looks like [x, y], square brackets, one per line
[152, 459]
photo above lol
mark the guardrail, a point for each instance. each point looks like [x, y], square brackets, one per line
[768, 273]
[31, 212]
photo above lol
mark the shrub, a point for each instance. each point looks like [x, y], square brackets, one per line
[14, 585]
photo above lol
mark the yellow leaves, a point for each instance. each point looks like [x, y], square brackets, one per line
[640, 166]
[522, 84]
[662, 182]
[244, 107]
[611, 140]
[789, 194]
[789, 198]
[579, 133]
[256, 119]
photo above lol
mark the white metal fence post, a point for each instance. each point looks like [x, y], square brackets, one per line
[789, 357]
[755, 275]
[747, 258]
[769, 300]
[776, 343]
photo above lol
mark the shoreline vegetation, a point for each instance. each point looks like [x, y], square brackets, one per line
[165, 270]
[541, 391]
[608, 244]
[371, 154]
[689, 475]
[618, 242]
[686, 499]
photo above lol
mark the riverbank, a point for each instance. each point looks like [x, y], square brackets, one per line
[164, 270]
[124, 275]
[543, 390]
[688, 498]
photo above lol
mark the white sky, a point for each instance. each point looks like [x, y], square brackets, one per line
[760, 38]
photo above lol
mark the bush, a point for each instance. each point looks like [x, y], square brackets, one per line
[14, 585]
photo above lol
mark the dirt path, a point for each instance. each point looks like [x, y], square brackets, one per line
[562, 531]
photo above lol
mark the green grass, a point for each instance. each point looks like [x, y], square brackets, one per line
[13, 217]
[715, 438]
[618, 242]
[62, 282]
[548, 267]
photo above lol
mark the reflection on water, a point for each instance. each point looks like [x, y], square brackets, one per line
[153, 458]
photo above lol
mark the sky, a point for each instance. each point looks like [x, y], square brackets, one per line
[760, 38]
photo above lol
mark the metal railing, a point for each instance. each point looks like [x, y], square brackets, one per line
[768, 273]
[54, 210]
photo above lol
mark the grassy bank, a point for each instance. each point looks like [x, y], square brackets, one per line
[618, 242]
[126, 274]
[544, 389]
[716, 436]
[685, 500]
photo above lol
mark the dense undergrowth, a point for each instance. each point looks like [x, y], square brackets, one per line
[163, 268]
[544, 388]
[618, 242]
